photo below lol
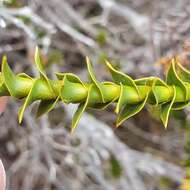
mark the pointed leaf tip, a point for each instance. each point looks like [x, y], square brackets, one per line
[4, 62]
[120, 77]
[96, 83]
[172, 78]
[46, 106]
[120, 100]
[38, 60]
[80, 110]
[107, 63]
[4, 59]
[166, 109]
[130, 110]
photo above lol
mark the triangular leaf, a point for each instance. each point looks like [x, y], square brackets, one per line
[166, 108]
[173, 79]
[46, 106]
[70, 77]
[93, 79]
[157, 82]
[120, 77]
[102, 106]
[152, 82]
[130, 110]
[3, 90]
[80, 110]
[29, 99]
[183, 73]
[121, 99]
[24, 75]
[8, 77]
[41, 69]
[144, 81]
[70, 89]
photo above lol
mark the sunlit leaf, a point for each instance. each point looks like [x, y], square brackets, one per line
[41, 69]
[29, 99]
[120, 77]
[166, 108]
[80, 110]
[93, 78]
[173, 79]
[130, 110]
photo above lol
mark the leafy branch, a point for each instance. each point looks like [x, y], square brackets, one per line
[129, 95]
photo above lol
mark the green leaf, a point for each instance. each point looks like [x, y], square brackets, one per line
[1, 79]
[102, 106]
[9, 77]
[39, 64]
[183, 73]
[70, 77]
[64, 90]
[152, 82]
[143, 81]
[166, 108]
[157, 82]
[29, 99]
[173, 79]
[93, 79]
[24, 75]
[120, 77]
[71, 89]
[46, 106]
[80, 110]
[149, 81]
[121, 99]
[130, 110]
[41, 69]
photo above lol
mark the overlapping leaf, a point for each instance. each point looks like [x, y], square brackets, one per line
[130, 95]
[97, 84]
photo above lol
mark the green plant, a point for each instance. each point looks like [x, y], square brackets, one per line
[130, 95]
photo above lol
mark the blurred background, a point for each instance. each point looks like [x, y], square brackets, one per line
[139, 37]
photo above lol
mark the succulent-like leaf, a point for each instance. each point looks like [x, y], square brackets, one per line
[183, 73]
[9, 77]
[166, 108]
[80, 110]
[41, 69]
[157, 82]
[102, 106]
[143, 81]
[130, 95]
[70, 77]
[120, 77]
[150, 81]
[69, 88]
[93, 79]
[46, 106]
[24, 75]
[173, 79]
[129, 111]
[121, 99]
[29, 99]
